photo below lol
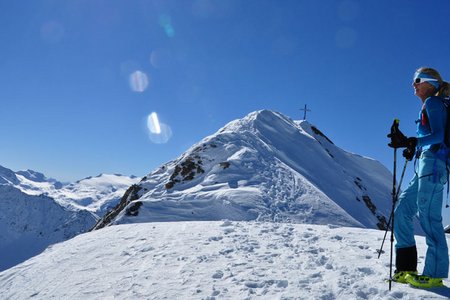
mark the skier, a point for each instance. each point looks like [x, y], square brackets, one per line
[425, 190]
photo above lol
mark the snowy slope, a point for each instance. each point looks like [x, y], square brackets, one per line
[28, 224]
[265, 167]
[214, 260]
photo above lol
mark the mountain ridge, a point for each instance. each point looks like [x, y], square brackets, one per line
[264, 166]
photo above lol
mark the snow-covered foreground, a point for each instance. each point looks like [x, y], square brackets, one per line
[208, 260]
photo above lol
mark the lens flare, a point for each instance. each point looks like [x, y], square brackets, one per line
[138, 81]
[158, 133]
[166, 23]
[153, 123]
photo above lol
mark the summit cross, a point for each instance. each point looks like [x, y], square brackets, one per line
[305, 110]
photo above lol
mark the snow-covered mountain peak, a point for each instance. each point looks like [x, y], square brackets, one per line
[29, 181]
[107, 180]
[264, 166]
[7, 176]
[258, 120]
[34, 176]
[267, 124]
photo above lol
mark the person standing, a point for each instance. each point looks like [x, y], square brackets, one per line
[425, 191]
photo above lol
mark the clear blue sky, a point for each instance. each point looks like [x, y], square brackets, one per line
[68, 108]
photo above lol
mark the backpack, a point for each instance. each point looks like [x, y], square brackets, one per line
[446, 102]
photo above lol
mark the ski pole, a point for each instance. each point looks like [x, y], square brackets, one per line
[394, 200]
[392, 212]
[392, 215]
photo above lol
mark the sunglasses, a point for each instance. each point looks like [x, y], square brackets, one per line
[420, 80]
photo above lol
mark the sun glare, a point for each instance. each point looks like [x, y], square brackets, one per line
[153, 123]
[159, 133]
[138, 81]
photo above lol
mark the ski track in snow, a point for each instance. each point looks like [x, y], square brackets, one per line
[214, 260]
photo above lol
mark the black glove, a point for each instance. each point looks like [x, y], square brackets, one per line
[398, 139]
[411, 143]
[408, 154]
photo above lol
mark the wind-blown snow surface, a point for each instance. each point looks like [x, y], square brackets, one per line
[214, 260]
[265, 167]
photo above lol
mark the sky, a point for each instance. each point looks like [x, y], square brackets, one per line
[105, 86]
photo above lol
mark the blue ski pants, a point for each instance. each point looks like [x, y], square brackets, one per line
[424, 196]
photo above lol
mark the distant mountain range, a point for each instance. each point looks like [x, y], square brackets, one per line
[264, 166]
[36, 211]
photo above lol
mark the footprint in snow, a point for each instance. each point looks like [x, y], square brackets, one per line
[264, 231]
[366, 270]
[147, 249]
[256, 285]
[252, 284]
[202, 258]
[307, 235]
[282, 283]
[322, 260]
[272, 246]
[315, 250]
[225, 251]
[287, 235]
[316, 277]
[215, 238]
[228, 230]
[218, 275]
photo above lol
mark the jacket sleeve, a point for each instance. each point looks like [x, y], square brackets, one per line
[437, 117]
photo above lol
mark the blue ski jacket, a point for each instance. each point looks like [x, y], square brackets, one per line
[431, 124]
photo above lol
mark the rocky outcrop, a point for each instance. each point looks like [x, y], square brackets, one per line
[130, 195]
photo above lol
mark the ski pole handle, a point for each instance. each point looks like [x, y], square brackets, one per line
[394, 127]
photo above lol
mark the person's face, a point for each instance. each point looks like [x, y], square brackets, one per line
[423, 90]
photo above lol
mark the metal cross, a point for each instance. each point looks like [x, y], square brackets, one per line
[305, 110]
